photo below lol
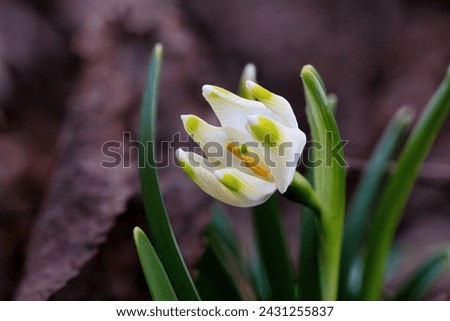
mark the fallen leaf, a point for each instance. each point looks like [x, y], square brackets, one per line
[84, 198]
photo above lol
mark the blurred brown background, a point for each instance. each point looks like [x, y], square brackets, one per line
[71, 78]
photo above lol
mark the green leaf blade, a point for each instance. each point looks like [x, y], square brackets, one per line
[329, 179]
[308, 287]
[214, 282]
[221, 274]
[160, 229]
[360, 211]
[155, 275]
[272, 250]
[398, 188]
[258, 276]
[420, 280]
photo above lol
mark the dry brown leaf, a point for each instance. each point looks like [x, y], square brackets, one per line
[84, 198]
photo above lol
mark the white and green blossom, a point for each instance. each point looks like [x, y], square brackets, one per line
[260, 145]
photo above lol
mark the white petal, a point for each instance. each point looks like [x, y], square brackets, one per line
[210, 138]
[281, 145]
[196, 167]
[277, 104]
[231, 109]
[255, 189]
[202, 173]
[213, 141]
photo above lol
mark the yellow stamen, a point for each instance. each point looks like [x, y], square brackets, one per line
[253, 164]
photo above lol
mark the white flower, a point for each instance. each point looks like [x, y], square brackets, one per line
[253, 153]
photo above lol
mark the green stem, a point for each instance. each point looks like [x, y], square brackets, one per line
[308, 284]
[302, 192]
[330, 236]
[330, 232]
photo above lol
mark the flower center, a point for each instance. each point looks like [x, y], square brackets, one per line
[250, 159]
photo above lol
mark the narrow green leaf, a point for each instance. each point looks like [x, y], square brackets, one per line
[360, 210]
[329, 179]
[214, 282]
[395, 256]
[308, 285]
[233, 265]
[160, 228]
[155, 275]
[258, 276]
[272, 249]
[221, 274]
[222, 227]
[420, 281]
[398, 188]
[356, 271]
